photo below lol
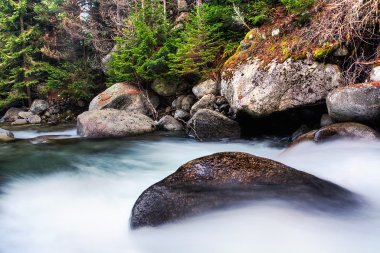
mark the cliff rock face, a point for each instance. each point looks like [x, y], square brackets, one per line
[262, 90]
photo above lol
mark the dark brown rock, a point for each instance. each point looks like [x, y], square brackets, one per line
[207, 125]
[226, 179]
[338, 131]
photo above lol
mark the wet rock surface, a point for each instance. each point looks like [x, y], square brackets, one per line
[6, 135]
[225, 179]
[349, 130]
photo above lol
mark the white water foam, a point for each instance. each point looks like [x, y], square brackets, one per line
[88, 211]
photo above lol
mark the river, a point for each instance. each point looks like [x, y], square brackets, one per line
[76, 197]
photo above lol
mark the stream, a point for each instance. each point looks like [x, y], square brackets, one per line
[76, 197]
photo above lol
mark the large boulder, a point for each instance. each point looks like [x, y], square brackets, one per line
[261, 90]
[11, 115]
[226, 179]
[168, 123]
[6, 135]
[358, 102]
[113, 123]
[125, 96]
[39, 106]
[207, 87]
[207, 124]
[347, 130]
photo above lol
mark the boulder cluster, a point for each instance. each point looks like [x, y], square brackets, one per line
[40, 111]
[125, 109]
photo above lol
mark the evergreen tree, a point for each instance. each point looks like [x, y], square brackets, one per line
[138, 57]
[202, 43]
[20, 66]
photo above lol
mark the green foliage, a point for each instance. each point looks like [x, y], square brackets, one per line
[151, 49]
[20, 68]
[201, 43]
[139, 54]
[73, 80]
[297, 6]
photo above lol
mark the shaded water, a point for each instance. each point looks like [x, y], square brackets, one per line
[77, 198]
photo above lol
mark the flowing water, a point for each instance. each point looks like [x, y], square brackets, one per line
[76, 197]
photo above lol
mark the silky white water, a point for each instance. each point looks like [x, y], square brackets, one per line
[82, 203]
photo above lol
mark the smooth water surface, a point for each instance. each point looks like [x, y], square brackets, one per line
[77, 198]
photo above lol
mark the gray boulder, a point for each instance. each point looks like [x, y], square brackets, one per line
[184, 102]
[207, 87]
[11, 115]
[168, 123]
[34, 119]
[358, 102]
[24, 115]
[125, 96]
[113, 123]
[207, 124]
[19, 122]
[39, 106]
[227, 179]
[326, 120]
[180, 114]
[6, 135]
[206, 102]
[261, 90]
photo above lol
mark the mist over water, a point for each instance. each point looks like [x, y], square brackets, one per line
[84, 203]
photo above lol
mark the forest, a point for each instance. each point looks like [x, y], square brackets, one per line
[75, 48]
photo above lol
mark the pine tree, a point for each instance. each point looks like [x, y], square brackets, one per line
[138, 57]
[20, 68]
[199, 46]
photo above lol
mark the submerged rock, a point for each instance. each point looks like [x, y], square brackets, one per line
[113, 123]
[262, 90]
[338, 131]
[358, 102]
[207, 124]
[6, 135]
[125, 96]
[231, 178]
